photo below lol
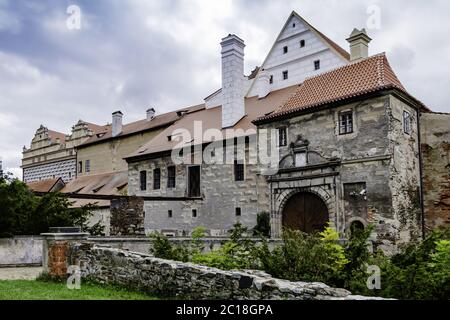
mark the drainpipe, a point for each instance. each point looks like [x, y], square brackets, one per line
[422, 208]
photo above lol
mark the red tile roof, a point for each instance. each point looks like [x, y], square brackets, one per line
[43, 185]
[356, 79]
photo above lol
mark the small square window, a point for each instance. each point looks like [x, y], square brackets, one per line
[317, 65]
[285, 75]
[406, 122]
[194, 213]
[238, 212]
[293, 25]
[302, 43]
[170, 214]
[271, 79]
[285, 49]
[346, 122]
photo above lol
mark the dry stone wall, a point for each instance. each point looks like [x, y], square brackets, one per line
[189, 281]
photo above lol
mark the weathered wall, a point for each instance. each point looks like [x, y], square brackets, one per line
[404, 174]
[435, 143]
[108, 156]
[190, 281]
[127, 216]
[21, 251]
[221, 195]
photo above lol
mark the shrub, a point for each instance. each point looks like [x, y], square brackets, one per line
[262, 227]
[23, 213]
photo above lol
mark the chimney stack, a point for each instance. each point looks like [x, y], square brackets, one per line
[359, 44]
[233, 105]
[150, 114]
[263, 85]
[116, 123]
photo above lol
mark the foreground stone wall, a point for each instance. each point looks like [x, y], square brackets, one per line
[435, 144]
[189, 281]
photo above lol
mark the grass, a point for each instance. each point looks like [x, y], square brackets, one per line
[40, 290]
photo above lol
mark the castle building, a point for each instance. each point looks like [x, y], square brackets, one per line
[348, 145]
[52, 154]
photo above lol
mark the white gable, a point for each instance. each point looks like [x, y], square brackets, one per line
[299, 62]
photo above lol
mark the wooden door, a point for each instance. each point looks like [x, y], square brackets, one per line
[305, 212]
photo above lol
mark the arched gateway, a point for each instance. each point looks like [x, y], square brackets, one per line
[306, 212]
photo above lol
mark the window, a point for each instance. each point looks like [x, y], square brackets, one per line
[300, 159]
[293, 25]
[285, 49]
[194, 181]
[406, 122]
[80, 167]
[302, 43]
[171, 177]
[170, 214]
[143, 180]
[271, 79]
[156, 179]
[282, 137]
[238, 212]
[285, 75]
[194, 213]
[346, 122]
[238, 171]
[88, 165]
[317, 65]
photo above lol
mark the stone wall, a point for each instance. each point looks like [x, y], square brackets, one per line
[435, 143]
[20, 251]
[221, 196]
[189, 281]
[127, 216]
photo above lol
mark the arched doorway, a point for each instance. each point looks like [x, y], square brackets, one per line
[306, 212]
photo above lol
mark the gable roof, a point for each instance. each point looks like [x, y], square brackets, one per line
[54, 135]
[45, 185]
[165, 119]
[327, 41]
[212, 119]
[356, 79]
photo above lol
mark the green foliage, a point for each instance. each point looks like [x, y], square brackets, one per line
[262, 227]
[23, 213]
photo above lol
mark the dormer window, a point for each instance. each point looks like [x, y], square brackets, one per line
[302, 43]
[285, 49]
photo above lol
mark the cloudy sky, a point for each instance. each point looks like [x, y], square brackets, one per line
[132, 54]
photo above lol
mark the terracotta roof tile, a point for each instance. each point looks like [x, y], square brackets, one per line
[356, 79]
[43, 185]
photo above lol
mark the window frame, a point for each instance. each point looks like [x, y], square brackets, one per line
[87, 166]
[285, 49]
[346, 125]
[285, 75]
[302, 43]
[188, 184]
[280, 129]
[317, 65]
[407, 125]
[156, 186]
[238, 178]
[143, 180]
[80, 167]
[174, 178]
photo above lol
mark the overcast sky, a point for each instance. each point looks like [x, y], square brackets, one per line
[132, 54]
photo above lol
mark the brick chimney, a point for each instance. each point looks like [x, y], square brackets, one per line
[150, 114]
[233, 106]
[116, 123]
[359, 44]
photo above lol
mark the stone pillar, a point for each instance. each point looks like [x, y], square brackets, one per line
[55, 249]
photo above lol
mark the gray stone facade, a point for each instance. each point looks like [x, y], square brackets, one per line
[377, 157]
[220, 194]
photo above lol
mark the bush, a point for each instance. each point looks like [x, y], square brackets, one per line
[23, 213]
[262, 227]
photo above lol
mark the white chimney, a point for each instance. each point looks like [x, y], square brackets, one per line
[263, 84]
[233, 105]
[359, 44]
[150, 114]
[117, 123]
